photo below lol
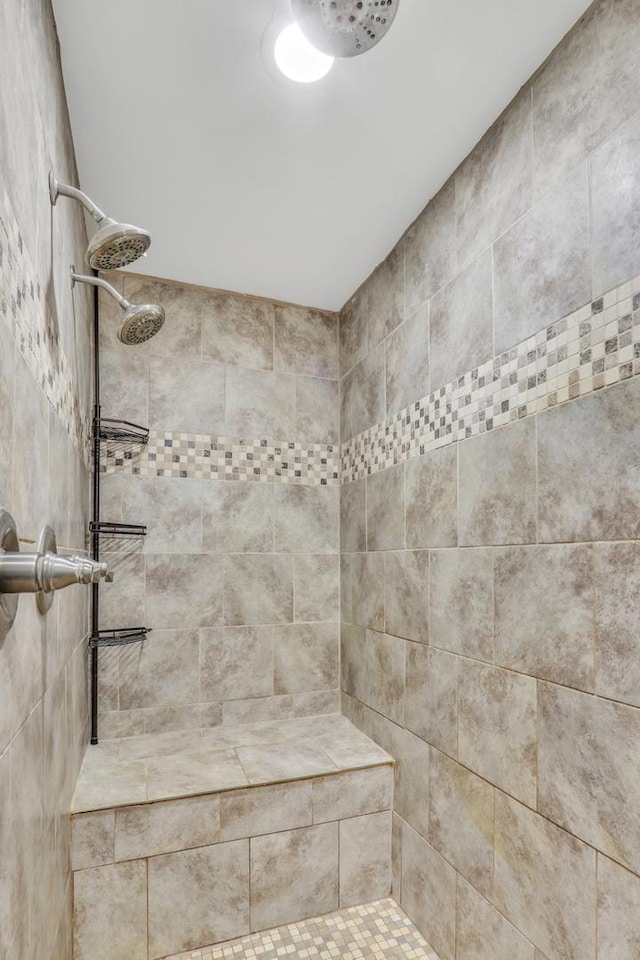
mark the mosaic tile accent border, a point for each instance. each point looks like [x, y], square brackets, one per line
[200, 457]
[377, 931]
[594, 347]
[24, 309]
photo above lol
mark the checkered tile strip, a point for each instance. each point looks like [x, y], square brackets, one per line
[593, 347]
[24, 309]
[201, 457]
[377, 931]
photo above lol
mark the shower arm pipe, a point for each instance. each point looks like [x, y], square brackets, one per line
[99, 282]
[66, 190]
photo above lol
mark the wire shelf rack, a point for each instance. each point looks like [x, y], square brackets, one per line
[125, 531]
[118, 638]
[121, 431]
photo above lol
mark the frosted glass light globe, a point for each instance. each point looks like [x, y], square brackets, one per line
[297, 59]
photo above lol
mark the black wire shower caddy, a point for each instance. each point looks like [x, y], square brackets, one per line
[107, 430]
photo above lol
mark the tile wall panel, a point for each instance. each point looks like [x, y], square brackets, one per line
[511, 401]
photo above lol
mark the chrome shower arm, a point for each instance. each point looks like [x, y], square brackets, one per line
[99, 282]
[66, 190]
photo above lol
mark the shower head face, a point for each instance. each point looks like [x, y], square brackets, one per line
[344, 28]
[141, 323]
[115, 245]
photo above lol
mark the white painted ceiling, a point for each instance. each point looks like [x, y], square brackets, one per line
[282, 190]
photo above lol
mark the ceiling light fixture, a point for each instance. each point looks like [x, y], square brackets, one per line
[297, 59]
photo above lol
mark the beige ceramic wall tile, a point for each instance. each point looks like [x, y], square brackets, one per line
[236, 663]
[258, 589]
[354, 339]
[617, 613]
[123, 600]
[179, 504]
[259, 404]
[585, 90]
[294, 875]
[618, 911]
[406, 594]
[411, 777]
[615, 174]
[429, 893]
[187, 396]
[544, 882]
[396, 858]
[182, 590]
[368, 590]
[316, 587]
[317, 410]
[589, 781]
[574, 485]
[385, 509]
[180, 336]
[498, 506]
[306, 519]
[368, 386]
[497, 727]
[306, 341]
[431, 499]
[374, 670]
[544, 612]
[352, 794]
[461, 323]
[347, 390]
[237, 330]
[7, 368]
[431, 696]
[430, 249]
[198, 897]
[384, 294]
[162, 670]
[263, 810]
[461, 599]
[461, 814]
[493, 185]
[237, 517]
[8, 838]
[102, 894]
[365, 859]
[353, 516]
[155, 828]
[541, 265]
[305, 657]
[484, 934]
[407, 362]
[92, 839]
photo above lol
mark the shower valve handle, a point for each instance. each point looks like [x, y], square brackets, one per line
[46, 572]
[42, 572]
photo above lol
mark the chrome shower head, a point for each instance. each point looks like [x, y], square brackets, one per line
[141, 322]
[114, 244]
[344, 28]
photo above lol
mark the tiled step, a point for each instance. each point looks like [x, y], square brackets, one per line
[164, 766]
[375, 931]
[270, 824]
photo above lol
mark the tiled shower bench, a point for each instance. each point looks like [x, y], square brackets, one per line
[187, 839]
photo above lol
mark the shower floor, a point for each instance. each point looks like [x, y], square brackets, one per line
[376, 931]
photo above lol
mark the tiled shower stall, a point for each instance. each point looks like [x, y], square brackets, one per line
[421, 513]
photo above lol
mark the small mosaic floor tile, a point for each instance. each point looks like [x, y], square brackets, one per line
[376, 931]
